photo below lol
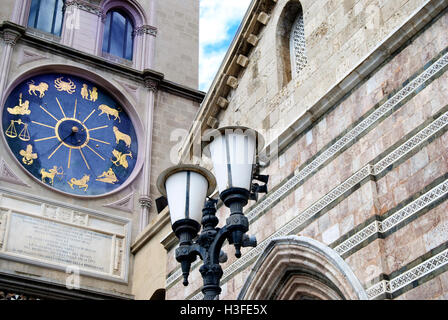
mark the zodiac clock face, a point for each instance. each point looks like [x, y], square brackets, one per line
[70, 134]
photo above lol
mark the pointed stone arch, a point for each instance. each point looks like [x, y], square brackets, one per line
[297, 267]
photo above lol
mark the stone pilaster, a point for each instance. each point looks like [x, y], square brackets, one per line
[145, 200]
[10, 38]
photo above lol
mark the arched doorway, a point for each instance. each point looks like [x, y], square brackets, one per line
[300, 268]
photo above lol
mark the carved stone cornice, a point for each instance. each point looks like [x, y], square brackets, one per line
[85, 6]
[145, 29]
[53, 47]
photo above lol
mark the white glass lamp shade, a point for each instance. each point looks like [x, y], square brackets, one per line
[233, 151]
[186, 188]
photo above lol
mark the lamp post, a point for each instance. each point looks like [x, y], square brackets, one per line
[233, 153]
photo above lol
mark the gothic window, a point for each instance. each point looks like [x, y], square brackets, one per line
[118, 38]
[47, 16]
[291, 46]
[297, 45]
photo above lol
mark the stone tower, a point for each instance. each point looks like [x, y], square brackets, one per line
[90, 91]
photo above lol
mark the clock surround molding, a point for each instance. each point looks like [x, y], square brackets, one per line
[112, 90]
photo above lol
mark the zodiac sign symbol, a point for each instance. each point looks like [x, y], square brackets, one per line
[85, 93]
[109, 112]
[50, 174]
[121, 136]
[21, 109]
[41, 88]
[11, 131]
[121, 158]
[108, 177]
[28, 155]
[81, 183]
[68, 87]
[93, 94]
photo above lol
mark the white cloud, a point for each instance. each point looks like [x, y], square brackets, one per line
[208, 66]
[218, 18]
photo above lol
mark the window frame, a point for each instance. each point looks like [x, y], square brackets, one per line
[129, 23]
[296, 50]
[54, 17]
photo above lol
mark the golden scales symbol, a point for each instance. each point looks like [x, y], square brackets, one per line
[24, 134]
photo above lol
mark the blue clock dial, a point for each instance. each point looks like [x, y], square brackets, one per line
[70, 134]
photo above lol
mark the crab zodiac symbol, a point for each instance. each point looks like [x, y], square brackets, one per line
[68, 87]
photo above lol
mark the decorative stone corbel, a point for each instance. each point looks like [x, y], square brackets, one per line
[151, 84]
[252, 39]
[222, 102]
[242, 60]
[212, 122]
[232, 82]
[10, 37]
[263, 18]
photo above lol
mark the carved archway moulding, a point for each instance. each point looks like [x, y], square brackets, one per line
[296, 267]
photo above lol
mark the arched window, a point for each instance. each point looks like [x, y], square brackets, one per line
[297, 45]
[118, 37]
[291, 46]
[47, 15]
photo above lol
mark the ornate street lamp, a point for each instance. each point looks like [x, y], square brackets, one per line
[233, 153]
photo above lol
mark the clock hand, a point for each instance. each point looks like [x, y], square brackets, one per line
[74, 130]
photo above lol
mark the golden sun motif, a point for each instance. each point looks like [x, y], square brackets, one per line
[72, 133]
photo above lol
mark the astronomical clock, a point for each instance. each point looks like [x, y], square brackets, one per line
[70, 134]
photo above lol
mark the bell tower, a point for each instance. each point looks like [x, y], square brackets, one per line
[90, 93]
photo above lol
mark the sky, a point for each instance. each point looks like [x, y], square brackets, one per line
[218, 24]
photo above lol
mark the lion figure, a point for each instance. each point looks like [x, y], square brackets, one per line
[41, 88]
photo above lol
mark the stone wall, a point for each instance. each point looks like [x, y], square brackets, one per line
[367, 177]
[178, 41]
[172, 118]
[349, 30]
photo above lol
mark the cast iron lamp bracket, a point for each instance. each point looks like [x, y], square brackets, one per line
[209, 244]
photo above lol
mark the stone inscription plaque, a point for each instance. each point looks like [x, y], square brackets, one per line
[53, 242]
